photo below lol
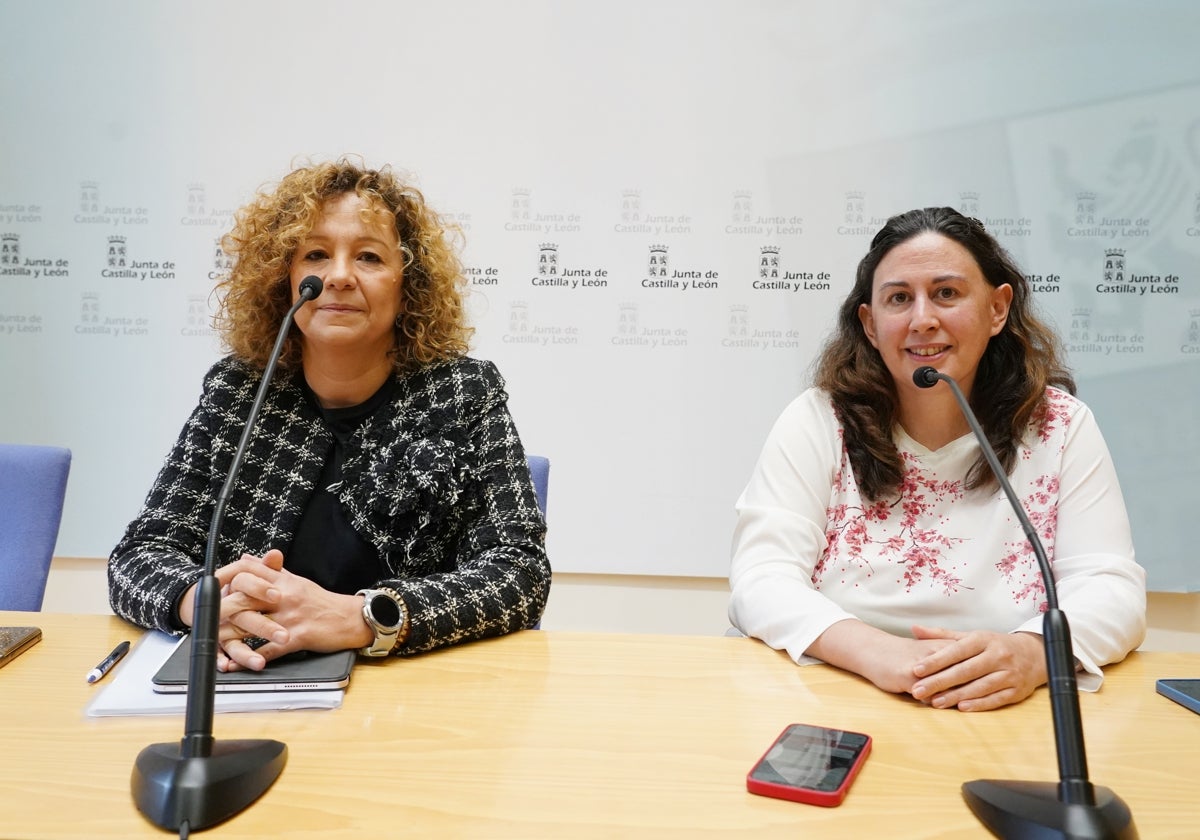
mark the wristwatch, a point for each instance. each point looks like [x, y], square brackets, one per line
[384, 611]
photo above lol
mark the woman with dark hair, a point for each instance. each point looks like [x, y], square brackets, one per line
[872, 534]
[385, 503]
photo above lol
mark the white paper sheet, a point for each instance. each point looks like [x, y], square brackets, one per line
[127, 690]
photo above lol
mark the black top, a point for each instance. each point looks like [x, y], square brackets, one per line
[326, 548]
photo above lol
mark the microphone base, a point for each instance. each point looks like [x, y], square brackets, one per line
[1032, 809]
[170, 789]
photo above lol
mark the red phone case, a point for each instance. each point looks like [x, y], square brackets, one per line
[809, 795]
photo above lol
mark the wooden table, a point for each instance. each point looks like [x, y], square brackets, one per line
[566, 735]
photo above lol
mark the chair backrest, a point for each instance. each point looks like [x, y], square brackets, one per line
[33, 483]
[539, 468]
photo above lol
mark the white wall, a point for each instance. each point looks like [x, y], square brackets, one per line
[721, 133]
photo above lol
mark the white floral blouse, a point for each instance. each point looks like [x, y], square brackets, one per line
[808, 551]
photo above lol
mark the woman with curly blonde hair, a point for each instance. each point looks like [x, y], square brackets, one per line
[255, 297]
[872, 535]
[385, 503]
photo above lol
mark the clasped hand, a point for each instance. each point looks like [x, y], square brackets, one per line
[976, 670]
[260, 598]
[249, 595]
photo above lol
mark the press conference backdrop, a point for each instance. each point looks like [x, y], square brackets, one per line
[662, 204]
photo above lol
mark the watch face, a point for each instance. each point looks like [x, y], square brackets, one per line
[385, 611]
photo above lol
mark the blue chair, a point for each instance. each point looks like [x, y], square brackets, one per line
[33, 483]
[539, 468]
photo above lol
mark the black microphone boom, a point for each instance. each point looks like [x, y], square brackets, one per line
[199, 781]
[1073, 808]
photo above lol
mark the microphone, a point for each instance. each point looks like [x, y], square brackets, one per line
[310, 287]
[1074, 808]
[199, 781]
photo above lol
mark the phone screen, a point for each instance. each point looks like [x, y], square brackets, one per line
[811, 757]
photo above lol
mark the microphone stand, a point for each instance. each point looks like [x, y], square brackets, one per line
[1073, 808]
[199, 781]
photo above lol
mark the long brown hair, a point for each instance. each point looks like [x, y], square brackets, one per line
[1009, 388]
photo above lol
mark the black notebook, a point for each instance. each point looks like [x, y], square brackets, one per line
[301, 671]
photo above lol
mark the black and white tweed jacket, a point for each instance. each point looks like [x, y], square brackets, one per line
[436, 480]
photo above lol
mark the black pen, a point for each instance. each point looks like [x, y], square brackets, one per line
[109, 661]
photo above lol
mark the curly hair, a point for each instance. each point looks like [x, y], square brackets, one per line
[1009, 388]
[256, 294]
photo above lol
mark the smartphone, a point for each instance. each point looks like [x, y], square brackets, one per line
[810, 764]
[15, 640]
[1184, 692]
